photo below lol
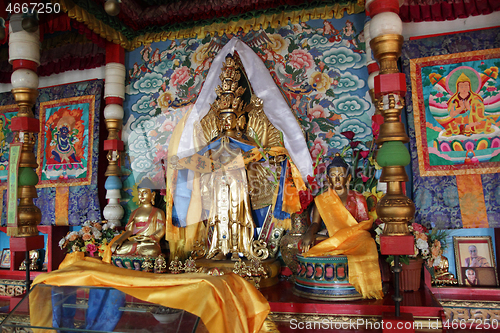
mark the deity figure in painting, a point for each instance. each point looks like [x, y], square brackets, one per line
[466, 109]
[64, 137]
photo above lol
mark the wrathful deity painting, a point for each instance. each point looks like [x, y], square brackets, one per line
[65, 142]
[6, 138]
[457, 113]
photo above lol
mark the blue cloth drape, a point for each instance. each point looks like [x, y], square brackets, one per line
[103, 312]
[278, 212]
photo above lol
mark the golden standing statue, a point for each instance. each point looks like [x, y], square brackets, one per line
[144, 230]
[226, 189]
[234, 186]
[230, 212]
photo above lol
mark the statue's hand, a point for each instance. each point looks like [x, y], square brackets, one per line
[307, 240]
[141, 238]
[467, 105]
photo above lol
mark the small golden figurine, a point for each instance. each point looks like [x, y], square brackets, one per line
[441, 274]
[34, 255]
[145, 228]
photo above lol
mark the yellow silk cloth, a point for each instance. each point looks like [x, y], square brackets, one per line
[351, 239]
[226, 303]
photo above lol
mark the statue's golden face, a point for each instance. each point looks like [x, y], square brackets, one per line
[145, 195]
[338, 178]
[227, 121]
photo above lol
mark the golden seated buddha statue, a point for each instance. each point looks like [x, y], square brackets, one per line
[144, 230]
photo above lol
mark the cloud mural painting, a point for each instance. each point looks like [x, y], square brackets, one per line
[343, 58]
[361, 130]
[143, 105]
[351, 105]
[348, 82]
[147, 84]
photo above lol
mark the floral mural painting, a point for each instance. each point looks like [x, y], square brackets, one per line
[319, 66]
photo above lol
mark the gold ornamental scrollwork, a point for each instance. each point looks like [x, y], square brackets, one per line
[259, 250]
[10, 289]
[476, 316]
[470, 304]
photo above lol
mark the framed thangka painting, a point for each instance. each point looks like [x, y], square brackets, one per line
[65, 141]
[7, 112]
[456, 103]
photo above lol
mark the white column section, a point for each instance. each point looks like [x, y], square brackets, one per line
[114, 86]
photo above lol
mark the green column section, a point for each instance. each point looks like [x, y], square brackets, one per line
[393, 153]
[27, 177]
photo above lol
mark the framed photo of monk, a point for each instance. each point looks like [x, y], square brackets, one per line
[475, 261]
[456, 103]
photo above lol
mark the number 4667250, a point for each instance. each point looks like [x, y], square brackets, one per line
[41, 8]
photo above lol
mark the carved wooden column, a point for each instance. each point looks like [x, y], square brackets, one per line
[395, 209]
[23, 220]
[24, 55]
[114, 93]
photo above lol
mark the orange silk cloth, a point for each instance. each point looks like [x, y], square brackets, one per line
[351, 239]
[226, 303]
[472, 203]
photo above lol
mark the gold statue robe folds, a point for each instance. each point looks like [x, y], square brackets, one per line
[230, 212]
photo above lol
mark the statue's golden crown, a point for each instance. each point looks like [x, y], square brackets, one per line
[229, 92]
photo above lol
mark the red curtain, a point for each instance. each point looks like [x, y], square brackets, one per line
[439, 10]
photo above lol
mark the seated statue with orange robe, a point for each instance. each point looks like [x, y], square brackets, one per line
[345, 215]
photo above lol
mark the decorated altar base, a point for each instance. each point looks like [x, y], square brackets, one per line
[293, 313]
[267, 277]
[324, 278]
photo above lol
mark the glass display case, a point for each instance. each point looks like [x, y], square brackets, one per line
[95, 309]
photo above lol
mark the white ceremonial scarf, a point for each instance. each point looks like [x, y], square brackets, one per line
[275, 107]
